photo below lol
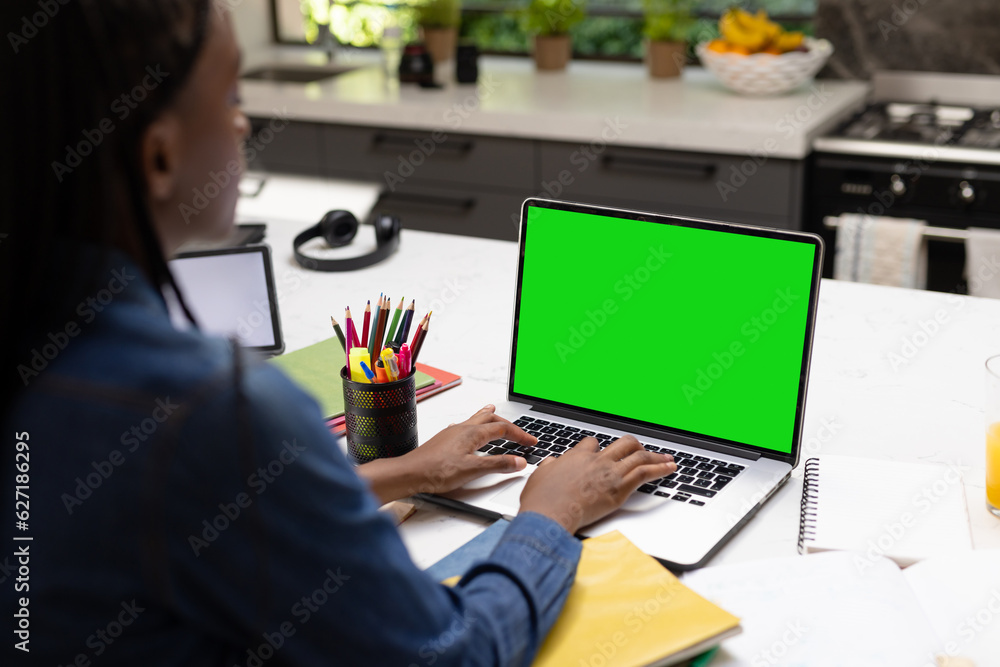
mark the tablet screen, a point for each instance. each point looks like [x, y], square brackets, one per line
[230, 293]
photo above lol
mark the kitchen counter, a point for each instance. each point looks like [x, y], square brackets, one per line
[589, 102]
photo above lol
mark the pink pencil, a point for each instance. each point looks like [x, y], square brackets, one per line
[352, 336]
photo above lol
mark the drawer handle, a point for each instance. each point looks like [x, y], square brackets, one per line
[396, 142]
[448, 204]
[681, 169]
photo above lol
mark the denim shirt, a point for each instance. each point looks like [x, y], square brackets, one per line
[188, 508]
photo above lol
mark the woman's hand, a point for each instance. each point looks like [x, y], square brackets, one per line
[448, 460]
[587, 483]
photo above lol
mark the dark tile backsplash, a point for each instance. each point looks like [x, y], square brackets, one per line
[919, 35]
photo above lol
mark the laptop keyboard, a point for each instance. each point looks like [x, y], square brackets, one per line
[697, 480]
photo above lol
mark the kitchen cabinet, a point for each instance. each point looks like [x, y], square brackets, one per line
[703, 185]
[474, 185]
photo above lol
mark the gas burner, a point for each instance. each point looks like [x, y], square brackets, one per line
[928, 114]
[983, 131]
[933, 124]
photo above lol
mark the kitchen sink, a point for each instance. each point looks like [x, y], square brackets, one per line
[296, 73]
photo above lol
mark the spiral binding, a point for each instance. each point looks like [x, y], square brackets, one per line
[810, 502]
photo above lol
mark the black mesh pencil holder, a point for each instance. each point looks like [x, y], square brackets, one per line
[381, 419]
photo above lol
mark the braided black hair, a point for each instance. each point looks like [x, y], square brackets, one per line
[66, 179]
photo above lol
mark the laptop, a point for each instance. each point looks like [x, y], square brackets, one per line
[231, 293]
[693, 335]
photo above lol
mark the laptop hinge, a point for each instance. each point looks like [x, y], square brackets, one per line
[690, 441]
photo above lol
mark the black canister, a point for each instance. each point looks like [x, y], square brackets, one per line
[381, 418]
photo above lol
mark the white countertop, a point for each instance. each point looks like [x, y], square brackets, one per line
[929, 408]
[694, 113]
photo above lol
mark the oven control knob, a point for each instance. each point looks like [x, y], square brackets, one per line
[966, 192]
[897, 185]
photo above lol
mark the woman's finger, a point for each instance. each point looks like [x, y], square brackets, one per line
[501, 428]
[484, 415]
[622, 447]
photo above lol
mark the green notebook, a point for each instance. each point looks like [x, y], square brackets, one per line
[317, 370]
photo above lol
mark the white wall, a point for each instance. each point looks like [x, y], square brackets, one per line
[252, 19]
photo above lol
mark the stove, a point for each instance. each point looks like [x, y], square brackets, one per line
[958, 134]
[926, 147]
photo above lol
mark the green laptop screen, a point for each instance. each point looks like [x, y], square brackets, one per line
[687, 328]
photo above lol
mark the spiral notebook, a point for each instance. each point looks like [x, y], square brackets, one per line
[903, 511]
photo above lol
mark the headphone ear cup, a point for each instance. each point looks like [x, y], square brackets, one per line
[338, 228]
[386, 227]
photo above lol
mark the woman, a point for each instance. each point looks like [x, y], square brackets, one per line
[189, 506]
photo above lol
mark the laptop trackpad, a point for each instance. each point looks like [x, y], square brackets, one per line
[510, 497]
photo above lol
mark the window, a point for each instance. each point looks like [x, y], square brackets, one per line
[612, 30]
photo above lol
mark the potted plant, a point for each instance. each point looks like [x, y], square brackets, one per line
[439, 21]
[666, 27]
[548, 22]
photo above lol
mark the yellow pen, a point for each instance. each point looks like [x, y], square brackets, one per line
[358, 355]
[391, 367]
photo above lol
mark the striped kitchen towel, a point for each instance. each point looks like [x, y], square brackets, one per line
[881, 251]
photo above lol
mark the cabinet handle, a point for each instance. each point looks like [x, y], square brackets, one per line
[666, 167]
[396, 142]
[445, 204]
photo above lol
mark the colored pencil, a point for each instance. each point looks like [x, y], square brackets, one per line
[383, 317]
[347, 350]
[368, 320]
[404, 328]
[340, 332]
[391, 337]
[418, 340]
[417, 331]
[353, 329]
[371, 337]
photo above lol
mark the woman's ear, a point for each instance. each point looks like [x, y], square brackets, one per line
[161, 158]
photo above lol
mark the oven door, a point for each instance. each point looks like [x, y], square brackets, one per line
[951, 197]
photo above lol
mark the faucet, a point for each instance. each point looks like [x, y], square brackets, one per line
[328, 42]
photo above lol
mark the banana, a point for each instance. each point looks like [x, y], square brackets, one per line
[767, 26]
[742, 29]
[789, 41]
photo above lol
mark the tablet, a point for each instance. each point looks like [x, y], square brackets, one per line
[231, 293]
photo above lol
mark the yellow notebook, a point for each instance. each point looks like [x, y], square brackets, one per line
[625, 609]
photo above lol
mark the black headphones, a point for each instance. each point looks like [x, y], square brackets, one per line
[339, 228]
